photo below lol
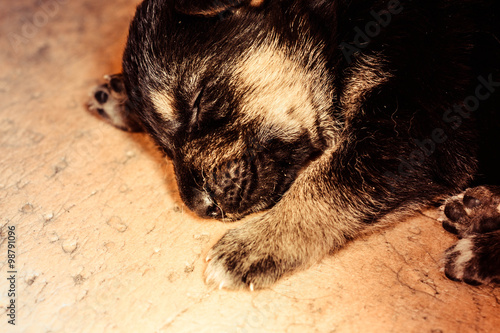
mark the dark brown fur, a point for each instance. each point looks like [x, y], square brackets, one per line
[298, 107]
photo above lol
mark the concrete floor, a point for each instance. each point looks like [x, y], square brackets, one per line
[104, 244]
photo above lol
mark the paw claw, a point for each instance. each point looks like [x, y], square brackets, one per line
[243, 261]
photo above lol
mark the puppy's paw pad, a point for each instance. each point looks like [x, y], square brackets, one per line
[105, 95]
[476, 211]
[97, 102]
[108, 101]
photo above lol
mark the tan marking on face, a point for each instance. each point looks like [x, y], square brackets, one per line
[366, 75]
[256, 3]
[199, 154]
[163, 104]
[279, 92]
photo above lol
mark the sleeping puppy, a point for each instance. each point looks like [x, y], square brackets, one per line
[336, 117]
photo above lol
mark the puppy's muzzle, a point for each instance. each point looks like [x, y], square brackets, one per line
[204, 206]
[193, 193]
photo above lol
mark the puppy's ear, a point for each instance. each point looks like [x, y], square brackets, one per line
[213, 7]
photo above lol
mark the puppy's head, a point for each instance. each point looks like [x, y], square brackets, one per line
[236, 93]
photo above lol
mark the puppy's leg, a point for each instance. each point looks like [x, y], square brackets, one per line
[109, 102]
[475, 218]
[317, 215]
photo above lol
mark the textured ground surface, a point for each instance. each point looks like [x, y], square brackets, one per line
[103, 242]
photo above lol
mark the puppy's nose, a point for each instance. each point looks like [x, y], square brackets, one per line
[213, 211]
[206, 207]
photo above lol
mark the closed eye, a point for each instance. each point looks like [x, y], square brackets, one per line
[196, 109]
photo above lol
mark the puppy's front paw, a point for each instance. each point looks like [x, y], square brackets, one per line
[474, 259]
[109, 102]
[248, 258]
